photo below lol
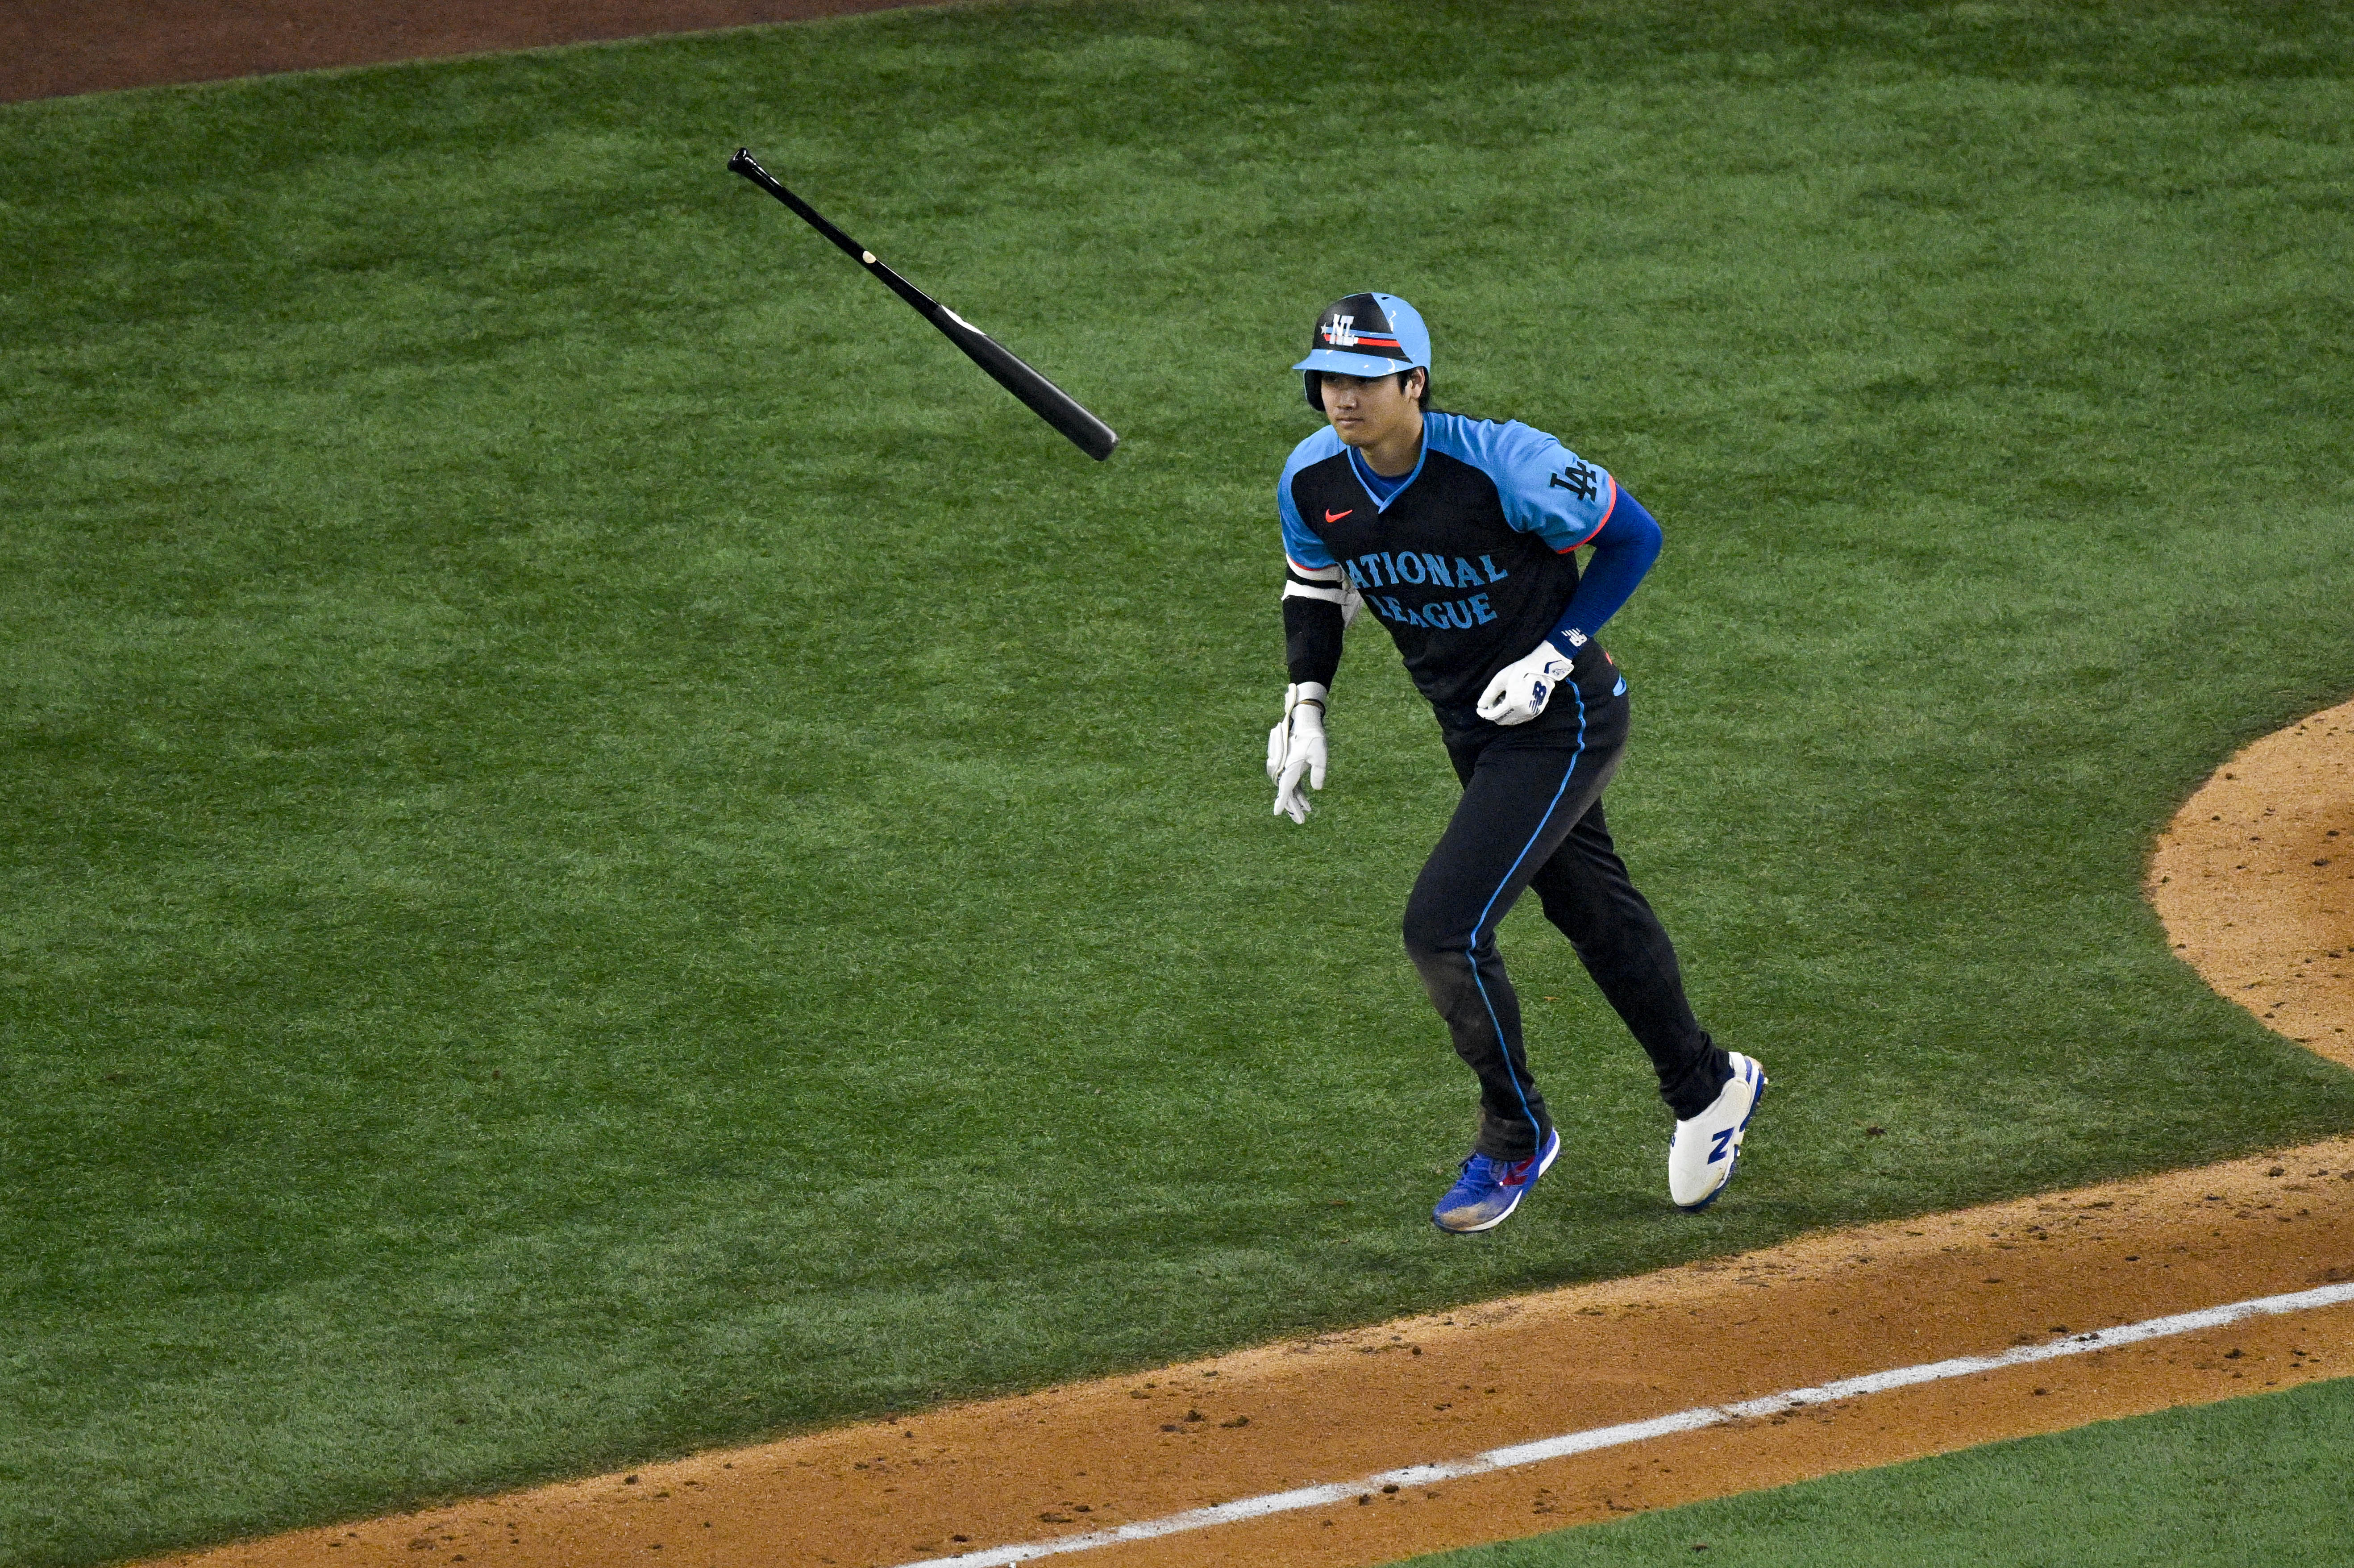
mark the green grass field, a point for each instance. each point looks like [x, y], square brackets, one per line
[608, 849]
[2252, 1483]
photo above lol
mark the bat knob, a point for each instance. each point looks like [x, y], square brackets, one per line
[742, 162]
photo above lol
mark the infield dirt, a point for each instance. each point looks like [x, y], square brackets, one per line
[2254, 879]
[2252, 888]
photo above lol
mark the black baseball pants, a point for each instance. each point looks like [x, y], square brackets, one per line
[1531, 817]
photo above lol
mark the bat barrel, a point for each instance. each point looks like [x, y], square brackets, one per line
[1042, 396]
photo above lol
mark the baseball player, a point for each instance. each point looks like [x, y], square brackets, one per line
[1459, 535]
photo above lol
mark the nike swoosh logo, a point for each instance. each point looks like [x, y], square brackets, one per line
[1336, 516]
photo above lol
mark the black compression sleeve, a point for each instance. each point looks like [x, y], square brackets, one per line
[1311, 640]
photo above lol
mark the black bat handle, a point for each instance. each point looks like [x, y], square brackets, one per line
[744, 164]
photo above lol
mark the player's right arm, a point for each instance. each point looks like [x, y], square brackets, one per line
[1315, 615]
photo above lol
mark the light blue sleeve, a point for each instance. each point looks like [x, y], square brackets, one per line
[1547, 490]
[1300, 547]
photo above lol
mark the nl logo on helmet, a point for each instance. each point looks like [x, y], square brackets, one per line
[1338, 334]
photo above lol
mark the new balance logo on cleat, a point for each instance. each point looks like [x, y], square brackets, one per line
[1705, 1149]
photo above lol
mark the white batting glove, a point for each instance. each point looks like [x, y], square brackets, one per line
[1520, 689]
[1295, 747]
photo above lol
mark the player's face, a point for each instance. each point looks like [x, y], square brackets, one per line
[1372, 411]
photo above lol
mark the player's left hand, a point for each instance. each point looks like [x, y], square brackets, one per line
[1295, 749]
[1520, 689]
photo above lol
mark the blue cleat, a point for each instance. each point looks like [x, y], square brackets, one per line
[1489, 1190]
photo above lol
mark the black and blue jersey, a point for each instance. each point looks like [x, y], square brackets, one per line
[1469, 560]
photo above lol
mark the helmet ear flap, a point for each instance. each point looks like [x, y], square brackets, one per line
[1312, 383]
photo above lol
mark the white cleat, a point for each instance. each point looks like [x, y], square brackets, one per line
[1702, 1156]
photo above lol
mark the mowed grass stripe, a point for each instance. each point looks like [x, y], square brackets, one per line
[609, 850]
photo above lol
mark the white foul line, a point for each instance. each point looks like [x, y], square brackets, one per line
[1596, 1438]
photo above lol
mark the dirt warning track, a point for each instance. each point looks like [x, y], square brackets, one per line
[54, 49]
[1076, 1461]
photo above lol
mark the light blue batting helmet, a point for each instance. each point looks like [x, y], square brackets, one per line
[1364, 334]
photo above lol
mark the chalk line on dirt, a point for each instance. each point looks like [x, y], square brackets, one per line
[1694, 1420]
